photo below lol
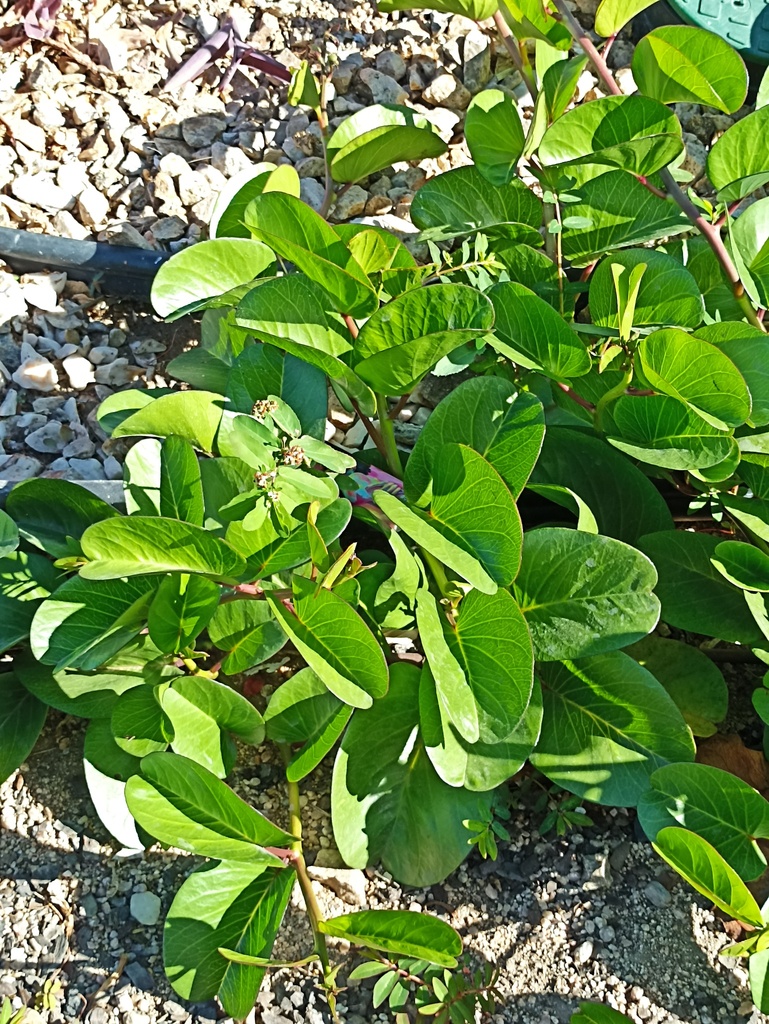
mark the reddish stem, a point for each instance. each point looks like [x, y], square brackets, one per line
[576, 398]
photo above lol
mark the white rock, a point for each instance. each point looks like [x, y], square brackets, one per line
[117, 373]
[584, 952]
[447, 91]
[36, 373]
[173, 164]
[39, 291]
[93, 207]
[99, 355]
[12, 301]
[72, 177]
[145, 907]
[312, 193]
[9, 403]
[20, 467]
[64, 224]
[28, 134]
[79, 370]
[41, 191]
[351, 203]
[51, 437]
[193, 188]
[230, 160]
[383, 89]
[625, 81]
[349, 885]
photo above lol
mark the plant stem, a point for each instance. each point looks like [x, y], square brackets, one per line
[616, 392]
[515, 53]
[710, 232]
[387, 430]
[322, 113]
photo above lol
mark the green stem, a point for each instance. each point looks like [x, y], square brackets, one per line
[616, 392]
[438, 572]
[387, 431]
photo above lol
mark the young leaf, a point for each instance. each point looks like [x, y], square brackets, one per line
[582, 594]
[248, 631]
[668, 294]
[206, 270]
[22, 717]
[401, 932]
[608, 725]
[738, 163]
[377, 136]
[706, 871]
[494, 135]
[181, 803]
[684, 64]
[53, 514]
[229, 212]
[181, 492]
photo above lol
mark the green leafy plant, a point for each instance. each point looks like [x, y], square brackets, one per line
[433, 647]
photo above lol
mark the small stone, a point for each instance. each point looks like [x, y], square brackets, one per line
[173, 164]
[101, 354]
[696, 156]
[391, 63]
[352, 203]
[229, 160]
[349, 885]
[117, 373]
[626, 82]
[39, 291]
[28, 134]
[50, 438]
[657, 894]
[447, 91]
[145, 908]
[607, 934]
[383, 88]
[140, 976]
[584, 952]
[168, 229]
[201, 131]
[328, 857]
[312, 193]
[9, 403]
[39, 190]
[36, 373]
[476, 61]
[311, 167]
[93, 207]
[125, 234]
[193, 188]
[64, 224]
[20, 467]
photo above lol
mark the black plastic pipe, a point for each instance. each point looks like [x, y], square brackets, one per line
[118, 269]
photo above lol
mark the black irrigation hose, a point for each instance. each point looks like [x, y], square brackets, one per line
[117, 269]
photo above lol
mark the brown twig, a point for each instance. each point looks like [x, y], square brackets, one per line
[511, 43]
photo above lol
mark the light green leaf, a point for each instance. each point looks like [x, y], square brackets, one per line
[706, 871]
[608, 725]
[477, 10]
[248, 631]
[377, 136]
[404, 339]
[695, 597]
[181, 492]
[613, 15]
[631, 133]
[715, 804]
[134, 545]
[229, 212]
[738, 163]
[192, 415]
[700, 260]
[206, 270]
[297, 233]
[744, 565]
[180, 610]
[494, 135]
[749, 235]
[745, 346]
[668, 294]
[334, 641]
[583, 594]
[52, 514]
[559, 84]
[401, 932]
[22, 717]
[9, 535]
[751, 513]
[529, 19]
[664, 432]
[684, 64]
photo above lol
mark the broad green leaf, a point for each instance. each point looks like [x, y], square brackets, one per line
[377, 136]
[141, 478]
[494, 135]
[745, 346]
[22, 717]
[559, 84]
[738, 163]
[694, 682]
[229, 212]
[697, 373]
[664, 432]
[200, 368]
[568, 499]
[180, 611]
[529, 19]
[472, 509]
[758, 972]
[754, 472]
[394, 601]
[334, 641]
[108, 797]
[750, 246]
[706, 871]
[52, 514]
[631, 133]
[85, 622]
[404, 339]
[462, 202]
[387, 802]
[263, 370]
[477, 10]
[534, 269]
[137, 722]
[715, 804]
[232, 905]
[744, 565]
[248, 631]
[101, 750]
[203, 271]
[9, 535]
[181, 803]
[302, 710]
[291, 312]
[401, 932]
[583, 594]
[595, 1013]
[617, 211]
[297, 233]
[613, 15]
[487, 414]
[134, 545]
[530, 332]
[694, 595]
[608, 725]
[192, 415]
[623, 500]
[751, 513]
[181, 492]
[122, 404]
[684, 64]
[668, 294]
[700, 260]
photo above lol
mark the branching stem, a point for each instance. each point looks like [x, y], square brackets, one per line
[513, 49]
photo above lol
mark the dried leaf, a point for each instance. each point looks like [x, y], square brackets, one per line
[731, 755]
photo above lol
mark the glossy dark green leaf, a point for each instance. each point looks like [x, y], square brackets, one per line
[137, 722]
[192, 415]
[668, 294]
[52, 514]
[181, 492]
[623, 500]
[494, 135]
[334, 641]
[200, 368]
[743, 565]
[248, 631]
[751, 513]
[136, 545]
[206, 270]
[745, 346]
[758, 972]
[684, 64]
[229, 212]
[377, 136]
[102, 752]
[694, 595]
[695, 683]
[631, 133]
[530, 332]
[488, 415]
[401, 932]
[608, 725]
[297, 233]
[9, 534]
[181, 803]
[705, 869]
[180, 611]
[700, 260]
[583, 594]
[22, 717]
[665, 432]
[738, 163]
[231, 905]
[404, 339]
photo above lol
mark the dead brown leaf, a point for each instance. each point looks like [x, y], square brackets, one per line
[731, 755]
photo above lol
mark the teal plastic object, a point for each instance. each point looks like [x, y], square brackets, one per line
[743, 23]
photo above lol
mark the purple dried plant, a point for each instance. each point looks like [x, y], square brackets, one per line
[38, 18]
[223, 42]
